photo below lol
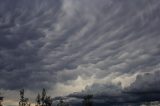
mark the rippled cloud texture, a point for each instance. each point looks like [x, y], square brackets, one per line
[109, 48]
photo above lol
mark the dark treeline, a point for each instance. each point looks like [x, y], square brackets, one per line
[44, 100]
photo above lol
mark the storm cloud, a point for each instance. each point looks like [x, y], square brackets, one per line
[114, 94]
[71, 46]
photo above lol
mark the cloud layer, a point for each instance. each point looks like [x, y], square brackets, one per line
[73, 44]
[144, 89]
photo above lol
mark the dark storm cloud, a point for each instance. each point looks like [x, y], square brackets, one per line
[46, 43]
[144, 89]
[149, 82]
[21, 40]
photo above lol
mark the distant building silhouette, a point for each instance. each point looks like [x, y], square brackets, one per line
[62, 103]
[87, 100]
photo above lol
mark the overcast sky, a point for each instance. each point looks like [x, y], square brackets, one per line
[108, 48]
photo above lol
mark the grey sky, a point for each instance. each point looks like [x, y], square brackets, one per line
[82, 46]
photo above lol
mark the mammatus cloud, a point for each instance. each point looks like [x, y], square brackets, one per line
[73, 44]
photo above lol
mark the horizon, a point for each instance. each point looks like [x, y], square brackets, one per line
[56, 100]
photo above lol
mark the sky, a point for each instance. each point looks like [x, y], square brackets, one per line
[72, 48]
